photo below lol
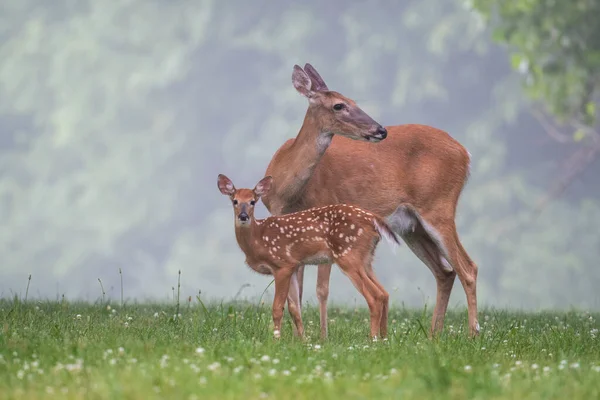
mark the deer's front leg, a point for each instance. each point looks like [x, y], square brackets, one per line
[323, 276]
[282, 277]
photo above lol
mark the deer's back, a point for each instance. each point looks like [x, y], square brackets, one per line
[417, 165]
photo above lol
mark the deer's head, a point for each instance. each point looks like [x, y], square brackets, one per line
[243, 200]
[335, 113]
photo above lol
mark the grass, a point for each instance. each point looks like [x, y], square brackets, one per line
[226, 351]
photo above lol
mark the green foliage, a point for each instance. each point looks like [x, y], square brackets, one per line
[556, 46]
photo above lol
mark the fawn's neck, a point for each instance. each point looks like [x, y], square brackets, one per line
[246, 236]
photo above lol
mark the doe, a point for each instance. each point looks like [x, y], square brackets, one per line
[341, 234]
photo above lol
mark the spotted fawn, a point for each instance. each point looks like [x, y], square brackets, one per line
[341, 234]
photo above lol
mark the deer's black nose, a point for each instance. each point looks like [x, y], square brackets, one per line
[381, 132]
[243, 217]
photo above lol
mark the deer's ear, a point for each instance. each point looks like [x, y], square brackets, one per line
[318, 84]
[302, 82]
[225, 185]
[263, 186]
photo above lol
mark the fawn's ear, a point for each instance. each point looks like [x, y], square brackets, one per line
[302, 82]
[263, 186]
[225, 185]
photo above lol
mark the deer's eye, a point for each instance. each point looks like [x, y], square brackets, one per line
[338, 106]
[253, 202]
[235, 202]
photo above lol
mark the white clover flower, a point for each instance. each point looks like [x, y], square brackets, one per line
[286, 372]
[199, 350]
[214, 366]
[272, 372]
[265, 358]
[468, 368]
[238, 369]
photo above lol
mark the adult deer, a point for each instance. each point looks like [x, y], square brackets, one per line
[339, 233]
[414, 179]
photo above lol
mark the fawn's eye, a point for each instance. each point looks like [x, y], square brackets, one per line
[338, 106]
[253, 202]
[235, 202]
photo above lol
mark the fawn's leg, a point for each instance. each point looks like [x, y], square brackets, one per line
[282, 277]
[368, 289]
[383, 326]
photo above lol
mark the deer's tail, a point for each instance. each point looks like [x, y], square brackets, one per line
[385, 231]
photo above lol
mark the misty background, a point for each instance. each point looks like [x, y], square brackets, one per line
[116, 117]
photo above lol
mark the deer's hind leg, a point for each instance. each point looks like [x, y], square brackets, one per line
[323, 276]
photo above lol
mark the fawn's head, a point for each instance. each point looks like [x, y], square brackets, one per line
[243, 200]
[336, 113]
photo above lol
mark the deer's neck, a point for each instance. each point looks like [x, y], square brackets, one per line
[295, 165]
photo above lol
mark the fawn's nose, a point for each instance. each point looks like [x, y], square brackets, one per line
[243, 217]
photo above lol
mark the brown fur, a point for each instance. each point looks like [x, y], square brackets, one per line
[341, 234]
[417, 170]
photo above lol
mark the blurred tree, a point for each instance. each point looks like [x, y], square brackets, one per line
[116, 118]
[555, 45]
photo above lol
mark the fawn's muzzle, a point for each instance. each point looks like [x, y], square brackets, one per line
[243, 217]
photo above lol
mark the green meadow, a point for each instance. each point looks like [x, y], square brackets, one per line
[70, 350]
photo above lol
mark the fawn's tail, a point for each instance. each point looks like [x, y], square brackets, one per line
[385, 231]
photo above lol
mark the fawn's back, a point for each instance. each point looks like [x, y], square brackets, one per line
[319, 235]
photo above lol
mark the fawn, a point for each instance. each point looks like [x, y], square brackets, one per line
[277, 245]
